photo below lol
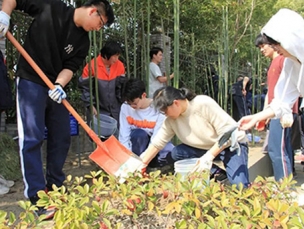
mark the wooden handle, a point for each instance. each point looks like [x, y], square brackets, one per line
[38, 70]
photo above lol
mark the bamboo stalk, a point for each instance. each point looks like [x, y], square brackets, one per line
[134, 38]
[176, 43]
[125, 28]
[148, 44]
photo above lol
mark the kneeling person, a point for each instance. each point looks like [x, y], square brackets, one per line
[198, 122]
[140, 121]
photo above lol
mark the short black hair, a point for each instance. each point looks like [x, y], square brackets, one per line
[134, 89]
[110, 48]
[261, 40]
[271, 41]
[154, 51]
[104, 7]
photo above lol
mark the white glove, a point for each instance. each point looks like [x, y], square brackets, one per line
[286, 120]
[204, 163]
[57, 94]
[142, 168]
[4, 23]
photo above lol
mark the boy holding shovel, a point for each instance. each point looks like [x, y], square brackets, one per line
[58, 42]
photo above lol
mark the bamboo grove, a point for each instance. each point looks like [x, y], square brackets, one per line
[206, 35]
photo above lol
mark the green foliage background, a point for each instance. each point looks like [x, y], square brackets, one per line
[220, 33]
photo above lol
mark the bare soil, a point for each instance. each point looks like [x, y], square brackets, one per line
[9, 201]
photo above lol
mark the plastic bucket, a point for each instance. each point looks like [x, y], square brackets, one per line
[185, 166]
[107, 125]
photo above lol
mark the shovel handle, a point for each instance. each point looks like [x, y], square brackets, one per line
[46, 80]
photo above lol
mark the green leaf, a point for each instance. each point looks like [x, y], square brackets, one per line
[182, 224]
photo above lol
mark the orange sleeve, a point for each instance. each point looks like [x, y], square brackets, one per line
[85, 71]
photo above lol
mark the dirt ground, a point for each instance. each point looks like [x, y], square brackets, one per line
[9, 201]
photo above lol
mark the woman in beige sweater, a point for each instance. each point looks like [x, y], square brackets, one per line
[198, 121]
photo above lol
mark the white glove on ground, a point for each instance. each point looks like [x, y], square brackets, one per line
[204, 163]
[4, 23]
[57, 94]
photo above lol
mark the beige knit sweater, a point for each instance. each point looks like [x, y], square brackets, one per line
[200, 126]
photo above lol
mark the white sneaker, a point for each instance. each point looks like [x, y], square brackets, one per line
[7, 183]
[3, 189]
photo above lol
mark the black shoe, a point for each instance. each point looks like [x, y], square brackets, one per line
[220, 175]
[49, 212]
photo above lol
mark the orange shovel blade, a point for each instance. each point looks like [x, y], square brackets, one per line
[103, 159]
[119, 162]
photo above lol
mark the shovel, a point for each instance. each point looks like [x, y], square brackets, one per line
[110, 155]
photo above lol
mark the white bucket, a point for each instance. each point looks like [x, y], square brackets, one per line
[185, 166]
[107, 125]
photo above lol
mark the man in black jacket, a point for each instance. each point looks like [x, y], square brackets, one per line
[58, 42]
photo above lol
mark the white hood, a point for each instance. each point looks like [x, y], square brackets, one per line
[287, 28]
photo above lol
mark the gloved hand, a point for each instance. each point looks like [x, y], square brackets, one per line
[57, 94]
[286, 120]
[4, 23]
[142, 168]
[204, 163]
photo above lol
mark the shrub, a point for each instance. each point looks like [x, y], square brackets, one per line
[10, 162]
[163, 201]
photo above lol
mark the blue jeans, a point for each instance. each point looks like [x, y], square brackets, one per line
[140, 142]
[236, 166]
[279, 149]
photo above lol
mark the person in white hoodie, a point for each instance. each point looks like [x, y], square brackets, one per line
[140, 121]
[285, 32]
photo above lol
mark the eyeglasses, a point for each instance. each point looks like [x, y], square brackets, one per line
[101, 20]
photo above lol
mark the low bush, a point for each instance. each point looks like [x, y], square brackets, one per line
[9, 154]
[163, 201]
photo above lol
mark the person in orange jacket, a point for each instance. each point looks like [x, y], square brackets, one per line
[110, 73]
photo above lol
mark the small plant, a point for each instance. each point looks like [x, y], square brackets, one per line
[163, 201]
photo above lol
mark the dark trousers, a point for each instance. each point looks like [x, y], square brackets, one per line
[236, 165]
[140, 142]
[35, 111]
[240, 108]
